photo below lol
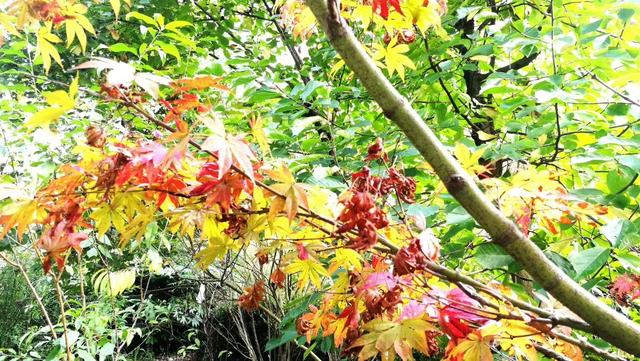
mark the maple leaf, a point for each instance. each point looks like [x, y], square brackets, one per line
[277, 278]
[423, 16]
[310, 271]
[516, 337]
[115, 5]
[625, 288]
[257, 130]
[475, 347]
[124, 75]
[470, 161]
[252, 296]
[76, 24]
[198, 83]
[44, 46]
[7, 27]
[60, 102]
[346, 258]
[225, 191]
[219, 243]
[300, 16]
[294, 193]
[389, 338]
[21, 214]
[381, 7]
[56, 241]
[229, 149]
[169, 189]
[459, 314]
[107, 215]
[393, 57]
[137, 226]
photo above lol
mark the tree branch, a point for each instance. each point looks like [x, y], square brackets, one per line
[519, 64]
[606, 322]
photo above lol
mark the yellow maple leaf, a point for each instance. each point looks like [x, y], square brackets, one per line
[108, 215]
[470, 161]
[45, 47]
[516, 338]
[310, 271]
[389, 338]
[294, 193]
[116, 5]
[422, 16]
[7, 26]
[218, 242]
[60, 102]
[21, 214]
[76, 24]
[257, 130]
[476, 347]
[346, 258]
[393, 57]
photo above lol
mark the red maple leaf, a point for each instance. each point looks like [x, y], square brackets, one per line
[252, 296]
[277, 278]
[225, 191]
[57, 241]
[459, 314]
[626, 288]
[145, 164]
[381, 7]
[170, 188]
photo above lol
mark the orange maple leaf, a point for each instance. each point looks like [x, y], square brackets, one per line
[199, 83]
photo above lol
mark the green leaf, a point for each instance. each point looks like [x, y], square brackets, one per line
[142, 17]
[123, 48]
[588, 261]
[175, 25]
[618, 109]
[486, 49]
[621, 233]
[492, 256]
[618, 179]
[630, 161]
[287, 336]
[561, 262]
[169, 49]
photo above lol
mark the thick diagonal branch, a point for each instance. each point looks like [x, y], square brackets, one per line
[606, 322]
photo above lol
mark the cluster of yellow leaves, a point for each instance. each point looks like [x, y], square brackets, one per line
[116, 5]
[542, 193]
[45, 47]
[298, 16]
[218, 243]
[476, 347]
[415, 14]
[113, 283]
[59, 102]
[20, 214]
[295, 195]
[7, 26]
[389, 338]
[65, 13]
[394, 58]
[76, 23]
[310, 271]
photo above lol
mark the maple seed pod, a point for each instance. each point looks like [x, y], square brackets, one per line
[386, 38]
[95, 137]
[406, 37]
